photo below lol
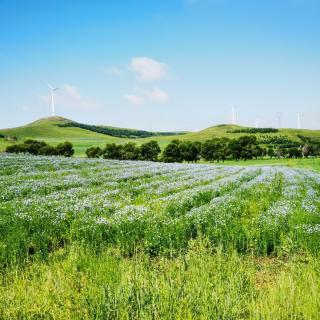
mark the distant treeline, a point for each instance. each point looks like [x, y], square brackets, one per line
[254, 130]
[217, 149]
[36, 147]
[8, 138]
[118, 132]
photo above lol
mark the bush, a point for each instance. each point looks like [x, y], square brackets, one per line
[112, 151]
[65, 149]
[94, 152]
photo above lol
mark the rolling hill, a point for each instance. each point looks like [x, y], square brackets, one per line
[54, 130]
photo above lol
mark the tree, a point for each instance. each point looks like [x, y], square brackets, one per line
[190, 151]
[294, 153]
[65, 149]
[93, 152]
[150, 151]
[47, 151]
[172, 152]
[32, 146]
[257, 151]
[270, 152]
[243, 147]
[130, 151]
[113, 151]
[15, 148]
[307, 150]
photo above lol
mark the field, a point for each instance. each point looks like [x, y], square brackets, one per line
[48, 129]
[99, 239]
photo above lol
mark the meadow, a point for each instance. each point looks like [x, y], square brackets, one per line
[103, 239]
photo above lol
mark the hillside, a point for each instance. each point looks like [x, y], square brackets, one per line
[57, 129]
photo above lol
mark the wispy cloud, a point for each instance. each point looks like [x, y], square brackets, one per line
[142, 96]
[148, 69]
[113, 71]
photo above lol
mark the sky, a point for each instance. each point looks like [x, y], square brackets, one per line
[161, 64]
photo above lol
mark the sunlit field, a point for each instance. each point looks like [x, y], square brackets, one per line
[102, 239]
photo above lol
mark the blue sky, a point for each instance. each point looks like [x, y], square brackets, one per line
[161, 64]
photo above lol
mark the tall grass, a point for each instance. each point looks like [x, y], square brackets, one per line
[82, 239]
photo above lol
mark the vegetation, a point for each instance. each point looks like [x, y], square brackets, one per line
[117, 132]
[254, 130]
[53, 131]
[130, 151]
[104, 239]
[35, 147]
[217, 149]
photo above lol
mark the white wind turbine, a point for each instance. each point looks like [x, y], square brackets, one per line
[233, 115]
[53, 89]
[299, 120]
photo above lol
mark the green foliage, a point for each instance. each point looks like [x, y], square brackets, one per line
[65, 149]
[130, 151]
[113, 151]
[117, 132]
[35, 147]
[99, 239]
[254, 130]
[94, 152]
[172, 152]
[150, 151]
[190, 151]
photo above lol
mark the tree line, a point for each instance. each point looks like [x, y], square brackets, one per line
[117, 132]
[41, 148]
[216, 149]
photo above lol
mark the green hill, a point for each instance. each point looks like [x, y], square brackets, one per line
[54, 130]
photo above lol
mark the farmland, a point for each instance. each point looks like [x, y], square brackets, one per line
[103, 239]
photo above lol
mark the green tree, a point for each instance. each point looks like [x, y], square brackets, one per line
[150, 151]
[130, 151]
[65, 149]
[94, 152]
[47, 151]
[172, 152]
[113, 151]
[190, 151]
[270, 152]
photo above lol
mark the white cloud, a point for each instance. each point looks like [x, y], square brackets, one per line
[142, 96]
[69, 96]
[148, 69]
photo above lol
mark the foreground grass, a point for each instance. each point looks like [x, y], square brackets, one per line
[313, 163]
[97, 239]
[203, 283]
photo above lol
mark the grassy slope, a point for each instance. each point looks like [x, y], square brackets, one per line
[313, 164]
[47, 129]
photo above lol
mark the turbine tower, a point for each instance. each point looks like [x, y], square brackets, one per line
[299, 120]
[53, 89]
[233, 115]
[279, 120]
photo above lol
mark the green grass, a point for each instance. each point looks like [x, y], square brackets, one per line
[99, 239]
[48, 130]
[312, 164]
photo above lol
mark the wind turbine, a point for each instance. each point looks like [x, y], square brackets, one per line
[279, 120]
[299, 120]
[233, 115]
[53, 89]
